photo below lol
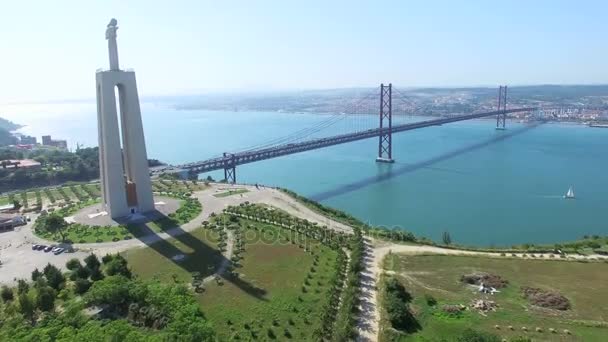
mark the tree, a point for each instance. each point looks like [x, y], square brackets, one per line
[118, 266]
[26, 306]
[36, 274]
[92, 262]
[6, 293]
[447, 239]
[81, 286]
[22, 286]
[45, 300]
[73, 264]
[396, 302]
[96, 275]
[53, 276]
[55, 224]
[113, 291]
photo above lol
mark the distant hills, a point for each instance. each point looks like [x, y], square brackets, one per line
[6, 126]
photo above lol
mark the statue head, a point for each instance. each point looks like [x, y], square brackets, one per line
[111, 29]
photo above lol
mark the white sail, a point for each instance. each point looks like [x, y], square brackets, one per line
[570, 193]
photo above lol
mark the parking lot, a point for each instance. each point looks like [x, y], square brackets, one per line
[19, 260]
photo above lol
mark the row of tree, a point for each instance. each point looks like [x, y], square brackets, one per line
[52, 306]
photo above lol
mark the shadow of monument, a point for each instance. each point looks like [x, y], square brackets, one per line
[163, 247]
[394, 172]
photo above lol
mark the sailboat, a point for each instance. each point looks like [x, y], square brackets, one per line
[570, 193]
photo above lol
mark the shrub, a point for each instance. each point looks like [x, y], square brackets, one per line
[81, 286]
[6, 293]
[73, 264]
[45, 300]
[430, 300]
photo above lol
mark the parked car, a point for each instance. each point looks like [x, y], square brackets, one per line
[41, 247]
[55, 248]
[35, 247]
[48, 248]
[58, 251]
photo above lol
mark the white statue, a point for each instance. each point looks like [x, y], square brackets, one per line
[112, 46]
[111, 30]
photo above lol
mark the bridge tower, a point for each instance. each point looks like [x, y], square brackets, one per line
[385, 142]
[502, 107]
[229, 168]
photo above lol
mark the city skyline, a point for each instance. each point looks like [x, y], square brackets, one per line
[271, 46]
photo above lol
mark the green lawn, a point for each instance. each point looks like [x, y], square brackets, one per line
[199, 248]
[231, 192]
[278, 293]
[584, 284]
[278, 308]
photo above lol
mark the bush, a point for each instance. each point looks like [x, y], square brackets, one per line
[430, 300]
[6, 293]
[396, 303]
[45, 300]
[73, 264]
[81, 286]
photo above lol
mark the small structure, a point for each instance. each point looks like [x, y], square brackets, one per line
[7, 208]
[13, 164]
[487, 289]
[10, 221]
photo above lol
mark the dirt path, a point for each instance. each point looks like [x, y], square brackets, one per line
[367, 322]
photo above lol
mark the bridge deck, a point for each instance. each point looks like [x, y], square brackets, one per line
[241, 158]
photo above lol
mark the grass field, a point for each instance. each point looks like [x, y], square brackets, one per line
[278, 309]
[439, 276]
[278, 292]
[231, 192]
[200, 255]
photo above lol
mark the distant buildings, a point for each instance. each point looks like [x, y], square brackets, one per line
[28, 140]
[10, 221]
[48, 141]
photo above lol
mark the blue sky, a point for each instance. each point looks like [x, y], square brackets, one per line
[50, 49]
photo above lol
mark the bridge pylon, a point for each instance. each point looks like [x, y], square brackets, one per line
[385, 142]
[229, 168]
[502, 107]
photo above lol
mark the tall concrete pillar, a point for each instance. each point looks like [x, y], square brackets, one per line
[124, 172]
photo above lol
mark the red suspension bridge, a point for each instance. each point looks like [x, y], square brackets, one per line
[390, 117]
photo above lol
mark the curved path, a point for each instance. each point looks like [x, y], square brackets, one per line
[18, 260]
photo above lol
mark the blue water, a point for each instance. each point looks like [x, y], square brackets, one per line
[485, 187]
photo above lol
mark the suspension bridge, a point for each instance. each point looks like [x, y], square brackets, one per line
[375, 115]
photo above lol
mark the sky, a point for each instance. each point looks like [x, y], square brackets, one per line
[49, 50]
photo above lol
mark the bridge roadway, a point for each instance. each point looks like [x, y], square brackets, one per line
[240, 158]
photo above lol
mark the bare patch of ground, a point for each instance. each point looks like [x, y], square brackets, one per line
[486, 279]
[545, 299]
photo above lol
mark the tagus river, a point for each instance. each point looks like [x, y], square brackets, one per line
[485, 187]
